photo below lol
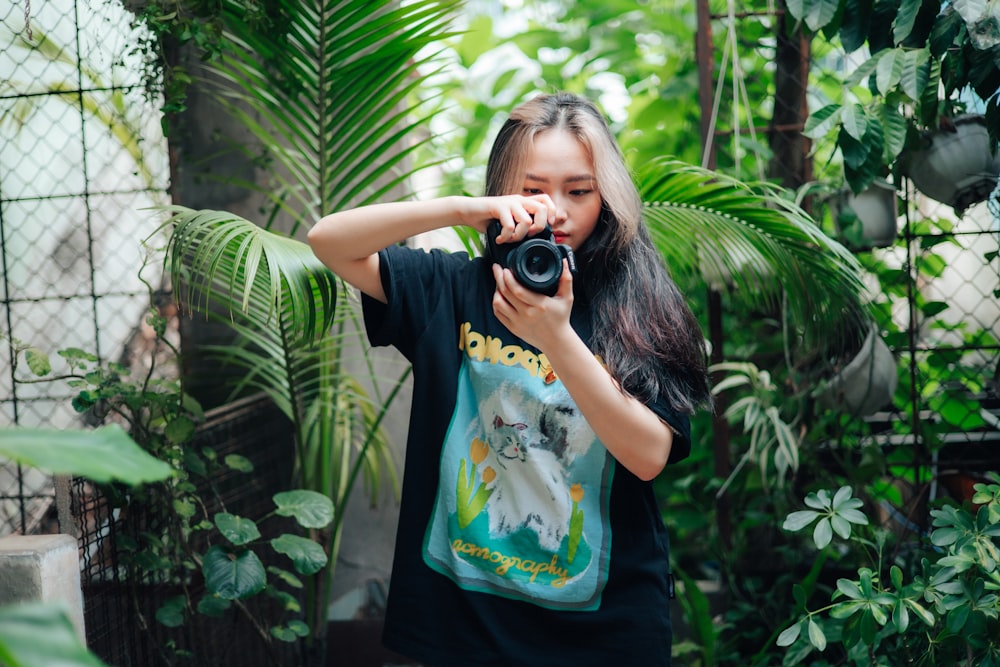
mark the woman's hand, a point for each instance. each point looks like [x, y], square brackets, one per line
[520, 216]
[535, 318]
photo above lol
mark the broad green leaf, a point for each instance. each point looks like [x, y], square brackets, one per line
[102, 454]
[179, 430]
[213, 606]
[894, 132]
[236, 529]
[310, 509]
[307, 556]
[888, 70]
[819, 123]
[906, 16]
[855, 121]
[914, 73]
[38, 362]
[171, 612]
[233, 574]
[41, 634]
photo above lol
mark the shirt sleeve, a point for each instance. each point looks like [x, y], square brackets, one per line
[681, 426]
[416, 283]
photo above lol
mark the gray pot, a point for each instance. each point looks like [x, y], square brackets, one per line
[867, 383]
[955, 166]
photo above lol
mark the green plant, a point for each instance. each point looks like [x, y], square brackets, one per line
[199, 535]
[949, 614]
[926, 61]
[323, 88]
[42, 633]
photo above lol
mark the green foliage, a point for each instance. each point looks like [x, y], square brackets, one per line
[200, 534]
[916, 48]
[947, 614]
[41, 634]
[326, 91]
[103, 454]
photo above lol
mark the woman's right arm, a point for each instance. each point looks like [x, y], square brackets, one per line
[348, 241]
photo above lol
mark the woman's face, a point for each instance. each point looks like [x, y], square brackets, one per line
[559, 166]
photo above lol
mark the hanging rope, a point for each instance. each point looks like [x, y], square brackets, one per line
[740, 95]
[27, 18]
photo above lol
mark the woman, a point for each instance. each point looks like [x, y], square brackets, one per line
[528, 532]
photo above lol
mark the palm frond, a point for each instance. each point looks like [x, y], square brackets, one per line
[754, 243]
[220, 257]
[326, 92]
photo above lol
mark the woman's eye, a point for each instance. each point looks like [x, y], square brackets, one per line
[580, 193]
[532, 191]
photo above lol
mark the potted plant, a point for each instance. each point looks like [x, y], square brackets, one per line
[869, 218]
[926, 66]
[866, 382]
[956, 164]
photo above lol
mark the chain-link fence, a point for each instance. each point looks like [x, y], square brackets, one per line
[82, 156]
[938, 279]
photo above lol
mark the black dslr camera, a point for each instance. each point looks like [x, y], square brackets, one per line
[536, 261]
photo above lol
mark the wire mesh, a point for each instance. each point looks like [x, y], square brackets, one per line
[120, 603]
[82, 157]
[945, 417]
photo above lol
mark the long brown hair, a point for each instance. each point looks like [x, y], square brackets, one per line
[642, 326]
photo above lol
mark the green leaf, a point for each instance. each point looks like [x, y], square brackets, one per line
[914, 73]
[102, 455]
[33, 635]
[816, 635]
[298, 627]
[286, 576]
[823, 533]
[179, 430]
[888, 70]
[850, 588]
[236, 529]
[820, 122]
[233, 574]
[213, 606]
[171, 613]
[307, 556]
[906, 16]
[238, 463]
[855, 121]
[798, 520]
[38, 362]
[310, 509]
[789, 635]
[894, 133]
[840, 526]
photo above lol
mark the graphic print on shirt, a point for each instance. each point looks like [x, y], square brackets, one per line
[522, 505]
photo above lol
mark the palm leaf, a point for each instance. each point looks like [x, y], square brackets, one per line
[326, 92]
[756, 244]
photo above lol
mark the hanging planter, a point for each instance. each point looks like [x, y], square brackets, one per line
[874, 209]
[957, 165]
[868, 381]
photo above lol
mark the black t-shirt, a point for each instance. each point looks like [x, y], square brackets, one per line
[520, 541]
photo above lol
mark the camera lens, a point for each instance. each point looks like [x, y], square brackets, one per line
[537, 265]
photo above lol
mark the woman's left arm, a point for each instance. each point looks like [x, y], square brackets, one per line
[634, 434]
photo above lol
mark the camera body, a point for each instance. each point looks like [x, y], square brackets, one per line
[536, 262]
